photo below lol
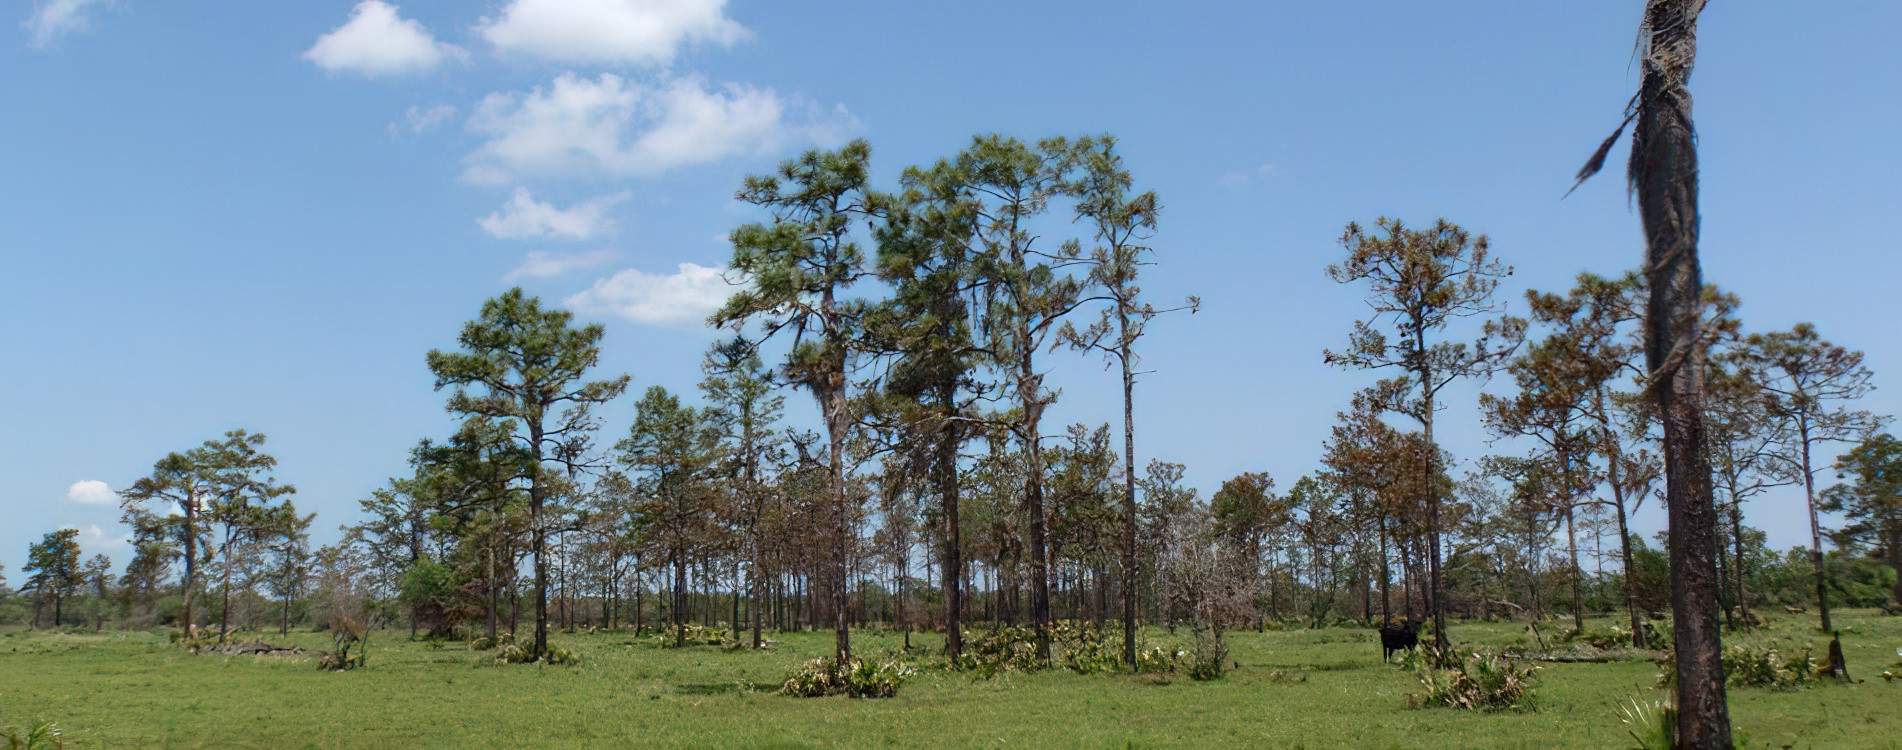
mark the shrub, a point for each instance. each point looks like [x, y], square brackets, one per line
[1616, 636]
[43, 735]
[1210, 657]
[1158, 659]
[858, 678]
[511, 652]
[1652, 725]
[1009, 648]
[1086, 649]
[692, 635]
[343, 637]
[1475, 681]
[1763, 665]
[194, 641]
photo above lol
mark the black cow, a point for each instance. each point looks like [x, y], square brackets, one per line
[1397, 636]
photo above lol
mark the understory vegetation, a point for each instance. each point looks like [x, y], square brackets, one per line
[1323, 687]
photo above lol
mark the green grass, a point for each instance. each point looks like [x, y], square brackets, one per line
[137, 690]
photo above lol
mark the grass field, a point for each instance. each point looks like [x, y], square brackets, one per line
[1298, 688]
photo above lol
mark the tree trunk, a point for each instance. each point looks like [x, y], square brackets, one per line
[1578, 575]
[1129, 494]
[1737, 547]
[834, 404]
[1664, 173]
[953, 555]
[679, 605]
[1386, 575]
[1029, 395]
[1816, 527]
[1435, 602]
[1894, 545]
[1614, 458]
[191, 557]
[537, 497]
[493, 591]
[224, 593]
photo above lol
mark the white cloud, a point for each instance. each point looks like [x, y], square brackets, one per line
[1242, 177]
[419, 120]
[686, 297]
[611, 127]
[91, 492]
[542, 265]
[53, 19]
[627, 32]
[94, 540]
[376, 42]
[524, 218]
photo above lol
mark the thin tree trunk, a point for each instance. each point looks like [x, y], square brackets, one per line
[191, 558]
[1386, 575]
[1614, 461]
[1129, 494]
[493, 589]
[1029, 389]
[224, 594]
[1578, 595]
[537, 497]
[1435, 601]
[1816, 527]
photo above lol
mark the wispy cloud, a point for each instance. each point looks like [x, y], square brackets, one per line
[609, 32]
[612, 127]
[545, 265]
[1251, 176]
[53, 19]
[418, 120]
[524, 218]
[683, 298]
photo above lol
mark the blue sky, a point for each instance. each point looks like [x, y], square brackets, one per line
[251, 214]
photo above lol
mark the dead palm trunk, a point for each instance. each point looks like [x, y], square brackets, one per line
[1663, 174]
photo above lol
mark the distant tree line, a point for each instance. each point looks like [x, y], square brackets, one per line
[934, 496]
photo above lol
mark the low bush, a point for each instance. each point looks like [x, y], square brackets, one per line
[1763, 664]
[1209, 659]
[858, 678]
[43, 735]
[339, 658]
[690, 635]
[1475, 681]
[1008, 648]
[1652, 725]
[1086, 648]
[515, 653]
[1156, 659]
[1082, 647]
[1617, 636]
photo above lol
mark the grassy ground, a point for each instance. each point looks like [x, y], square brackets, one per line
[136, 690]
